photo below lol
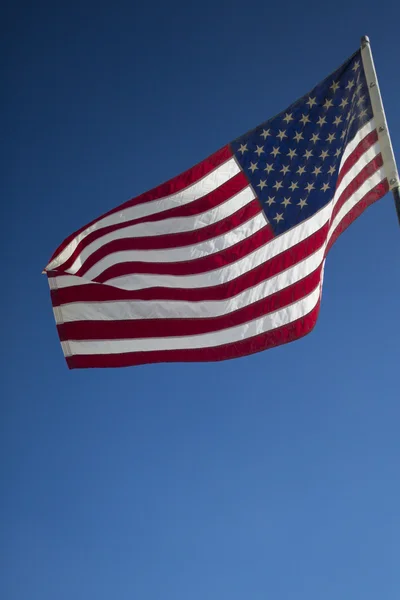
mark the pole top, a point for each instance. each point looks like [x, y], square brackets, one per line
[365, 41]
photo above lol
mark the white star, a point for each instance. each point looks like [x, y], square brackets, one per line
[337, 121]
[325, 187]
[284, 169]
[321, 121]
[262, 184]
[281, 134]
[259, 150]
[344, 103]
[363, 113]
[288, 117]
[253, 167]
[275, 151]
[314, 138]
[360, 100]
[285, 202]
[269, 168]
[278, 217]
[309, 187]
[311, 101]
[331, 170]
[293, 186]
[301, 170]
[243, 148]
[278, 185]
[343, 134]
[305, 119]
[291, 153]
[271, 200]
[324, 154]
[317, 171]
[302, 203]
[328, 103]
[356, 65]
[359, 88]
[330, 138]
[337, 153]
[350, 85]
[308, 154]
[334, 86]
[298, 136]
[265, 133]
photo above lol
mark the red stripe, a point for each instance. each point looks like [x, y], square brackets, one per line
[372, 196]
[373, 166]
[175, 240]
[174, 185]
[282, 335]
[227, 190]
[218, 260]
[157, 328]
[215, 198]
[359, 150]
[288, 258]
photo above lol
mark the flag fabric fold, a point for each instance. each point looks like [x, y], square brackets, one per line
[227, 258]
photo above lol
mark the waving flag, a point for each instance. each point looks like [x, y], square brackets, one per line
[227, 258]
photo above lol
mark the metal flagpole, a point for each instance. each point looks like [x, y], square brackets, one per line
[385, 143]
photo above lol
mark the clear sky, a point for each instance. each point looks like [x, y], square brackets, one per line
[273, 477]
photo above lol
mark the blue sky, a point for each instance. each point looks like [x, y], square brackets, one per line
[273, 476]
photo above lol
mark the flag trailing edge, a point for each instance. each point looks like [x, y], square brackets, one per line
[227, 258]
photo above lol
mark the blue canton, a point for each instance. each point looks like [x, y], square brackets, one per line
[292, 160]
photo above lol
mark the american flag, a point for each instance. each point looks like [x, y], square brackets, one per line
[227, 258]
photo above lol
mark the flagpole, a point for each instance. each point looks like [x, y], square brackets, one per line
[396, 196]
[385, 143]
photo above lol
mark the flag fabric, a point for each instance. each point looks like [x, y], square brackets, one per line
[227, 258]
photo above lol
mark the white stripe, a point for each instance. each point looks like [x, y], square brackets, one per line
[203, 186]
[358, 195]
[244, 331]
[64, 281]
[185, 253]
[247, 263]
[172, 309]
[167, 226]
[362, 162]
[359, 136]
[67, 281]
[143, 280]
